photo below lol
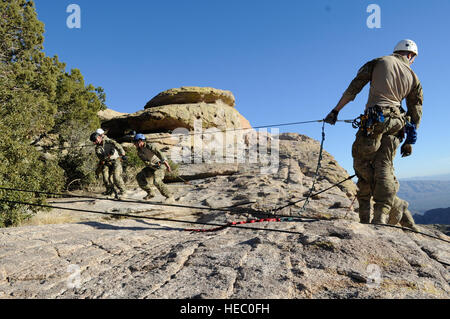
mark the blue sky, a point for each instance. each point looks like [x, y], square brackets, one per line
[284, 60]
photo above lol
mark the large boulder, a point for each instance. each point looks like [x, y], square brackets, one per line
[108, 114]
[191, 95]
[170, 117]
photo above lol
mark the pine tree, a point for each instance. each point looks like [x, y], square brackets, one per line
[37, 96]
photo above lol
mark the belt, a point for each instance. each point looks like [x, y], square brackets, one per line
[388, 110]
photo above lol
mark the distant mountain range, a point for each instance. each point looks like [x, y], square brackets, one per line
[424, 195]
[434, 216]
[442, 177]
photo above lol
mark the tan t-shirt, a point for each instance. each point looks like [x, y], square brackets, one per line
[391, 80]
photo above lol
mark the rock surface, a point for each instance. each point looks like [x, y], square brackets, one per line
[191, 95]
[148, 259]
[325, 254]
[109, 114]
[334, 257]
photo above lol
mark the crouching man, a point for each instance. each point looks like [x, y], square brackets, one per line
[156, 166]
[110, 155]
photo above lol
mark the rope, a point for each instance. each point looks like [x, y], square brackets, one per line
[218, 226]
[278, 218]
[117, 200]
[312, 189]
[412, 231]
[313, 195]
[221, 226]
[203, 133]
[252, 221]
[171, 205]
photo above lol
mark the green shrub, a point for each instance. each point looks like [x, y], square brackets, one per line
[37, 96]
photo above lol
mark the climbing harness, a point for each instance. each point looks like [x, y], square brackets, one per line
[312, 189]
[366, 122]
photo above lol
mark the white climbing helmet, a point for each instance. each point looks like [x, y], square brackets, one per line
[407, 45]
[100, 131]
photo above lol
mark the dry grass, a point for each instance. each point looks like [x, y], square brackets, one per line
[48, 218]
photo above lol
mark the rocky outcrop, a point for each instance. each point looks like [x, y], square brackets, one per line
[108, 114]
[191, 95]
[187, 107]
[170, 117]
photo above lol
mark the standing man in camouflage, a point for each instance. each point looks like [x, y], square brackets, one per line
[156, 166]
[110, 155]
[382, 129]
[108, 181]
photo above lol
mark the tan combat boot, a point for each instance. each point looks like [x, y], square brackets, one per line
[149, 196]
[169, 200]
[364, 211]
[380, 214]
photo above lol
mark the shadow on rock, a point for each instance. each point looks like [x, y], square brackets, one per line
[103, 226]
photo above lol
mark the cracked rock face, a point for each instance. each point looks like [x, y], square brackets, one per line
[144, 259]
[102, 257]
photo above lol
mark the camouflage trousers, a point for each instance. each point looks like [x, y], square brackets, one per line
[373, 158]
[400, 214]
[112, 175]
[153, 176]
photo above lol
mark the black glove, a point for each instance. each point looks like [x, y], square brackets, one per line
[332, 117]
[406, 150]
[124, 158]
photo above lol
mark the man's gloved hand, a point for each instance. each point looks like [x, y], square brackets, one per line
[332, 117]
[124, 158]
[406, 150]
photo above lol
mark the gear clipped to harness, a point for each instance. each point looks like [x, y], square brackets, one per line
[367, 121]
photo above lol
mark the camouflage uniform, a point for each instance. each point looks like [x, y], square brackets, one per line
[153, 172]
[106, 177]
[392, 80]
[109, 152]
[400, 213]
